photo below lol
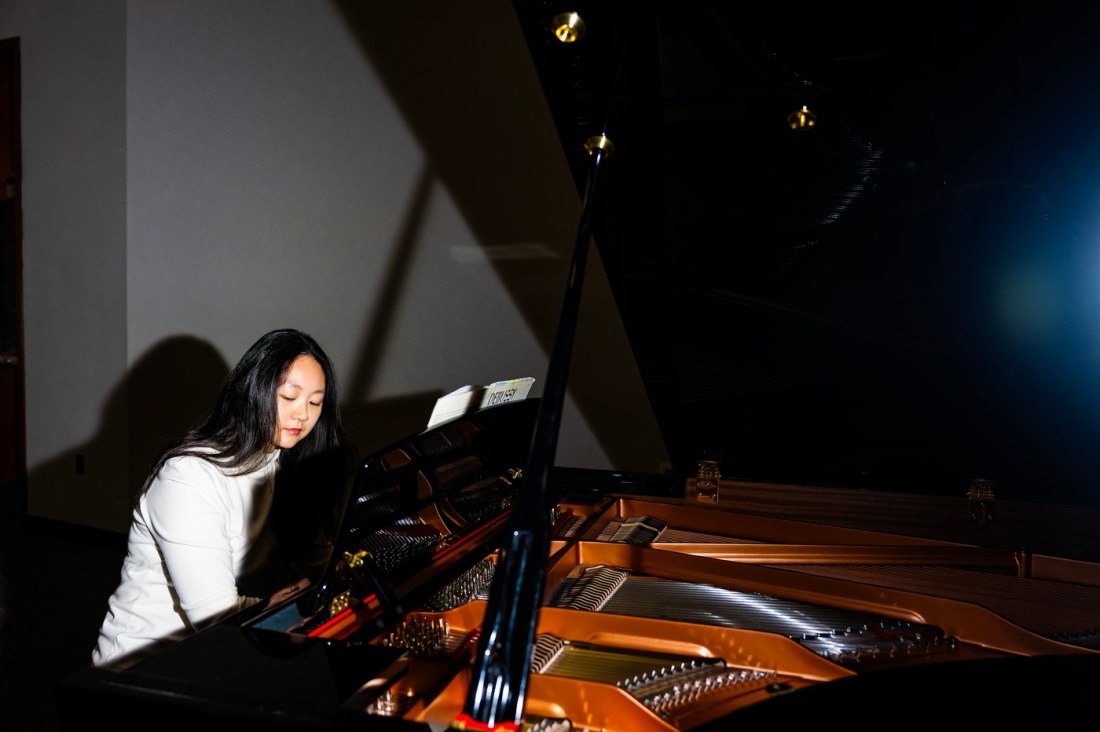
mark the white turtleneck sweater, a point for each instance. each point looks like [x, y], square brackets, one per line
[194, 534]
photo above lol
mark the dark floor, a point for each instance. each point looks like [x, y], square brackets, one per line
[55, 579]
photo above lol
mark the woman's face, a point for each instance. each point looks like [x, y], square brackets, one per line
[299, 400]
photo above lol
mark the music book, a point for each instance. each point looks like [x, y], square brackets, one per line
[472, 397]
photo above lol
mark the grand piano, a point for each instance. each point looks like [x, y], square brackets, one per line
[869, 518]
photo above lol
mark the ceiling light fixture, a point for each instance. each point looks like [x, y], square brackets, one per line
[568, 27]
[802, 119]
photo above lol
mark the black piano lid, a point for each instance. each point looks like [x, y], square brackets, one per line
[903, 296]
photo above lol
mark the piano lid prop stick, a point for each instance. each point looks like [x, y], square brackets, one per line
[502, 663]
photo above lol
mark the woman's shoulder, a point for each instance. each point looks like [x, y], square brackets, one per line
[185, 474]
[200, 461]
[181, 485]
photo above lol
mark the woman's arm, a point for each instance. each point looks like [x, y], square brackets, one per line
[192, 519]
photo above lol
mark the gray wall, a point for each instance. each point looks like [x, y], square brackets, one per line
[197, 172]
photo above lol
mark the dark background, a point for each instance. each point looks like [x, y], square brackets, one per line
[902, 297]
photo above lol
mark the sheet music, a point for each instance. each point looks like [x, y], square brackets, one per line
[472, 397]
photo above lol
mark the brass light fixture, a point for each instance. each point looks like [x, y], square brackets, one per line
[568, 27]
[802, 119]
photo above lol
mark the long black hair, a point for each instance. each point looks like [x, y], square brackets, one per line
[240, 429]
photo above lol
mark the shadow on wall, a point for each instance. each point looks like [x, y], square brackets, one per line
[171, 389]
[51, 614]
[164, 393]
[494, 102]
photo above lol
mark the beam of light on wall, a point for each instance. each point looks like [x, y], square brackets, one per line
[468, 255]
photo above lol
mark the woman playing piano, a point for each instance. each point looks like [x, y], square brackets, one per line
[202, 542]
